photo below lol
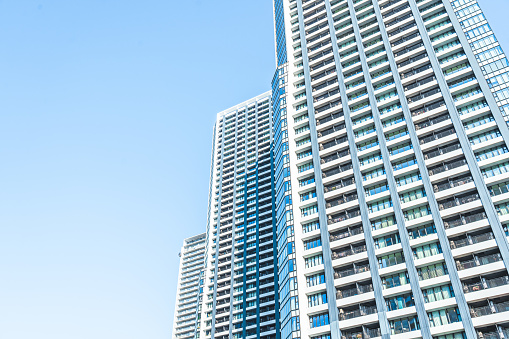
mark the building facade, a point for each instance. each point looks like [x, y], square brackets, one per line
[240, 290]
[189, 287]
[391, 170]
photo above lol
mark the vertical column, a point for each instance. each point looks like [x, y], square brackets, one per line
[232, 257]
[322, 217]
[216, 261]
[370, 245]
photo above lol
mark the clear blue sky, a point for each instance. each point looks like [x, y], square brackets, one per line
[106, 114]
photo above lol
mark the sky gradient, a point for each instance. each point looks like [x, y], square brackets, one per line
[106, 115]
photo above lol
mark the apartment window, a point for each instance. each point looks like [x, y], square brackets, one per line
[316, 279]
[432, 271]
[309, 244]
[404, 325]
[412, 195]
[319, 320]
[387, 241]
[317, 299]
[383, 222]
[417, 213]
[400, 302]
[444, 317]
[395, 280]
[310, 226]
[306, 211]
[391, 260]
[438, 293]
[407, 179]
[427, 250]
[380, 205]
[314, 261]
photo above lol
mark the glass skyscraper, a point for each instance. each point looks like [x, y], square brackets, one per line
[391, 170]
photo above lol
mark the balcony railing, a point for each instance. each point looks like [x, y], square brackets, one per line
[335, 156]
[420, 83]
[348, 272]
[333, 143]
[431, 122]
[343, 217]
[340, 294]
[479, 261]
[329, 118]
[342, 200]
[357, 313]
[437, 136]
[452, 184]
[428, 108]
[442, 151]
[487, 310]
[348, 252]
[494, 191]
[342, 184]
[346, 234]
[471, 240]
[443, 205]
[415, 71]
[447, 167]
[486, 284]
[331, 130]
[464, 220]
[424, 95]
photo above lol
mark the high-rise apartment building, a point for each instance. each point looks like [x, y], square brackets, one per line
[240, 290]
[391, 170]
[189, 287]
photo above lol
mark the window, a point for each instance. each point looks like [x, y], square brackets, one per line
[468, 10]
[316, 279]
[495, 66]
[502, 94]
[483, 42]
[383, 222]
[314, 261]
[444, 317]
[309, 244]
[417, 213]
[432, 271]
[319, 320]
[438, 293]
[399, 302]
[306, 211]
[379, 205]
[391, 260]
[404, 325]
[317, 299]
[412, 195]
[407, 179]
[478, 31]
[395, 280]
[310, 227]
[427, 250]
[387, 241]
[473, 20]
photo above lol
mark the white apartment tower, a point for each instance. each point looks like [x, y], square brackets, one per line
[189, 287]
[391, 170]
[239, 299]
